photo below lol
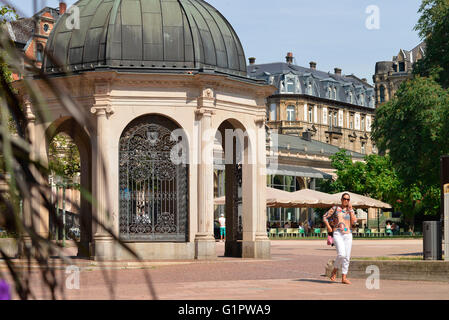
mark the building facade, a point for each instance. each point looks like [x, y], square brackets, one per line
[390, 74]
[332, 108]
[31, 34]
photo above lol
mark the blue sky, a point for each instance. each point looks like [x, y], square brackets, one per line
[330, 32]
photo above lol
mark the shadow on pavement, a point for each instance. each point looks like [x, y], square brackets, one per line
[409, 254]
[315, 281]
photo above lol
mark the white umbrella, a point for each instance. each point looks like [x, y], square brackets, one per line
[275, 198]
[359, 201]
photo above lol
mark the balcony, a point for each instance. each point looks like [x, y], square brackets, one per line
[335, 129]
[285, 126]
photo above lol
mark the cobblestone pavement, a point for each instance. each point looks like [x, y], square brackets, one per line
[295, 272]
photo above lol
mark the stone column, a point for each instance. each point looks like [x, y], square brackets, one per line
[204, 238]
[103, 243]
[30, 204]
[256, 243]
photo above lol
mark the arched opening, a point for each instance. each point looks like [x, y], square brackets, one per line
[153, 181]
[234, 145]
[69, 154]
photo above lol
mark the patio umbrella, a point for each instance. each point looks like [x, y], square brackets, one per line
[312, 199]
[278, 198]
[359, 201]
[275, 198]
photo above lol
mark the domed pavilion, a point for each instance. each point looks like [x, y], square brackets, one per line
[161, 81]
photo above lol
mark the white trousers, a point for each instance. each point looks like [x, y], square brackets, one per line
[343, 243]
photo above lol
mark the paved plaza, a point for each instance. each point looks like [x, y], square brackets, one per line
[295, 272]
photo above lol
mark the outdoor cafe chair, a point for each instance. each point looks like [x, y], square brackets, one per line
[382, 232]
[360, 232]
[368, 232]
[317, 232]
[292, 232]
[281, 232]
[273, 232]
[324, 232]
[302, 232]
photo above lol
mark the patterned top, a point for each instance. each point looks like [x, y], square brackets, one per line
[340, 218]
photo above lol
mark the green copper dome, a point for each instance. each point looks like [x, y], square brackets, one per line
[148, 35]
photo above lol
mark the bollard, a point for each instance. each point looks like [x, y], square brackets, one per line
[446, 222]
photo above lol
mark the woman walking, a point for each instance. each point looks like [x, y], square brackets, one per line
[339, 220]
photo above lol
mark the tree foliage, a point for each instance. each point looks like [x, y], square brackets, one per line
[413, 128]
[64, 157]
[433, 27]
[375, 177]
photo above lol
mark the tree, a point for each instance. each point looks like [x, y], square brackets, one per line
[64, 157]
[433, 27]
[413, 128]
[375, 177]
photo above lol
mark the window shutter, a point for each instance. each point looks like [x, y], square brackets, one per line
[324, 115]
[340, 118]
[357, 121]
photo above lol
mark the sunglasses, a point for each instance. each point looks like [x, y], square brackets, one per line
[346, 199]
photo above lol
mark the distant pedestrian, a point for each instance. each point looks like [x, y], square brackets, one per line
[339, 220]
[222, 222]
[388, 228]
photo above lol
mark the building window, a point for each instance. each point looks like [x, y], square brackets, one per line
[324, 115]
[310, 114]
[382, 93]
[363, 148]
[290, 86]
[46, 27]
[362, 124]
[39, 52]
[291, 113]
[401, 66]
[333, 118]
[272, 115]
[351, 98]
[351, 121]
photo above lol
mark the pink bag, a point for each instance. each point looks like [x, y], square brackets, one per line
[330, 240]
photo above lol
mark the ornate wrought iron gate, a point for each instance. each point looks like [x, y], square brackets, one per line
[153, 190]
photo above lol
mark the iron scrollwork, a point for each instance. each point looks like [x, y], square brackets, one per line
[153, 190]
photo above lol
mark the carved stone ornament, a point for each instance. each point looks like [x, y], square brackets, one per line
[208, 93]
[106, 110]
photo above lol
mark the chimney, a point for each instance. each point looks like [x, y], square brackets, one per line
[289, 58]
[312, 65]
[62, 7]
[252, 60]
[337, 71]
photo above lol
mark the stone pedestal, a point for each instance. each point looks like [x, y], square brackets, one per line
[205, 248]
[103, 248]
[256, 249]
